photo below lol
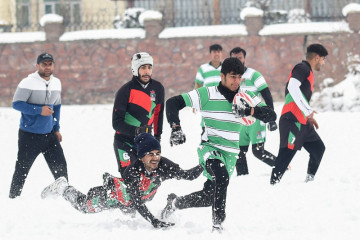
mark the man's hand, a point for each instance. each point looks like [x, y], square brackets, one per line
[242, 109]
[312, 120]
[160, 224]
[46, 111]
[272, 126]
[143, 129]
[177, 136]
[59, 136]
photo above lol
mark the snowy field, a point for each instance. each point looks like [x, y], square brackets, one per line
[328, 208]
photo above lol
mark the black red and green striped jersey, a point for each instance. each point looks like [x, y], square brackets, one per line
[136, 106]
[302, 72]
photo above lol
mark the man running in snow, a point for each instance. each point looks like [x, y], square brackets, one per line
[220, 142]
[297, 120]
[255, 134]
[139, 184]
[38, 98]
[138, 108]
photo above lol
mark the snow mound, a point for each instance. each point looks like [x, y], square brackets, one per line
[344, 96]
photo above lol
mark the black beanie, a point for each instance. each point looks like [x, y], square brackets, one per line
[145, 142]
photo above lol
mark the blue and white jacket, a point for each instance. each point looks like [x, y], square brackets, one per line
[31, 95]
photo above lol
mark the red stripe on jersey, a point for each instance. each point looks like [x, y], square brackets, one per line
[149, 195]
[141, 99]
[294, 109]
[311, 80]
[119, 193]
[156, 118]
[291, 146]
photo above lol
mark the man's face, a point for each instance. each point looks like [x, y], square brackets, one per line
[151, 160]
[239, 56]
[319, 62]
[231, 81]
[145, 72]
[45, 69]
[216, 55]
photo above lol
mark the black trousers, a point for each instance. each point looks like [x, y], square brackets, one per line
[125, 155]
[213, 194]
[316, 151]
[30, 146]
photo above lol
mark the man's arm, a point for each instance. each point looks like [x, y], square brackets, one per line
[299, 99]
[132, 180]
[170, 170]
[266, 95]
[173, 106]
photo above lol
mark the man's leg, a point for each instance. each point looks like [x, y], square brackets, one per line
[263, 155]
[28, 151]
[241, 163]
[281, 163]
[316, 150]
[54, 156]
[221, 181]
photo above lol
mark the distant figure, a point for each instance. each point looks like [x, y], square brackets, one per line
[297, 120]
[38, 98]
[255, 134]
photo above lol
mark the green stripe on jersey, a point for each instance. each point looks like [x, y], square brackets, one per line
[221, 127]
[129, 119]
[208, 75]
[253, 81]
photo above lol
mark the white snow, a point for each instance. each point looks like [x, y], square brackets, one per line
[124, 33]
[251, 12]
[50, 18]
[328, 208]
[351, 7]
[204, 31]
[149, 15]
[302, 28]
[18, 37]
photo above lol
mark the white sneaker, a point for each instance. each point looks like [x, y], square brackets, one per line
[217, 228]
[309, 178]
[55, 189]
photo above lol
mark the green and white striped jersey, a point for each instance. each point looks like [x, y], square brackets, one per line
[221, 127]
[208, 75]
[253, 81]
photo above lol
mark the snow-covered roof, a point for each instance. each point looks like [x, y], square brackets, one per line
[18, 37]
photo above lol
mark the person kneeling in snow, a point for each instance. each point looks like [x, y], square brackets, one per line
[139, 184]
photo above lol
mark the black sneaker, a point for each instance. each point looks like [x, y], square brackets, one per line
[170, 206]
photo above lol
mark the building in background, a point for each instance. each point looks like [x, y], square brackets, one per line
[24, 15]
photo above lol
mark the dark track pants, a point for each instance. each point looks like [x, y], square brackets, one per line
[213, 194]
[30, 146]
[316, 151]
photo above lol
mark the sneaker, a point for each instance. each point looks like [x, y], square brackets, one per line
[309, 178]
[217, 228]
[170, 206]
[56, 188]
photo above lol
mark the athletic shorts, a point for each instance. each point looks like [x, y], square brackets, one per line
[125, 154]
[206, 151]
[253, 134]
[294, 134]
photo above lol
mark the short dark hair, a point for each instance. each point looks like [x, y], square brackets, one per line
[232, 65]
[215, 47]
[237, 50]
[316, 49]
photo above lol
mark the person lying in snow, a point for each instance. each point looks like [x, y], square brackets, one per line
[139, 184]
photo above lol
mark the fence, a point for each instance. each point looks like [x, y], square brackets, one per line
[179, 13]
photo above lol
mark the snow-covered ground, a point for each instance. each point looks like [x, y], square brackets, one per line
[328, 208]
